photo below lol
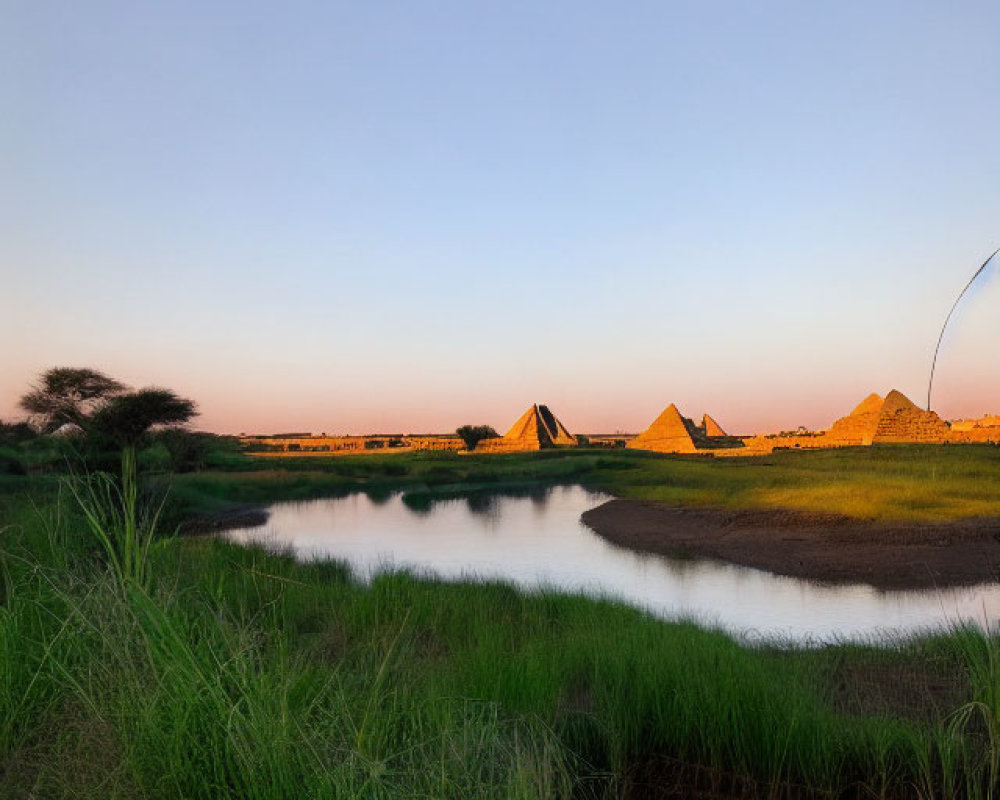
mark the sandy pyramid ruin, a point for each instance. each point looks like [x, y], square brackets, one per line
[711, 427]
[535, 429]
[902, 421]
[858, 427]
[894, 418]
[669, 433]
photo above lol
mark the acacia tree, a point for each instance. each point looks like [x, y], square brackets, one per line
[69, 395]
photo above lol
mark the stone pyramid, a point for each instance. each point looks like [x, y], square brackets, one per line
[535, 429]
[557, 432]
[870, 405]
[858, 427]
[891, 419]
[900, 420]
[711, 427]
[896, 402]
[669, 433]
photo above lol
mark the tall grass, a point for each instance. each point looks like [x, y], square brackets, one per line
[124, 525]
[183, 690]
[236, 672]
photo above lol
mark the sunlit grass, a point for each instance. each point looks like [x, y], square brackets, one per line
[889, 499]
[900, 482]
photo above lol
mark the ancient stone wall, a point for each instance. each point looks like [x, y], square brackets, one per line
[305, 444]
[911, 426]
[978, 435]
[334, 445]
[989, 421]
[503, 445]
[434, 442]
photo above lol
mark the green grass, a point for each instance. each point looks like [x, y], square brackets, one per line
[233, 672]
[889, 482]
[240, 673]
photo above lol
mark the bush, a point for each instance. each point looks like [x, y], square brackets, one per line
[474, 434]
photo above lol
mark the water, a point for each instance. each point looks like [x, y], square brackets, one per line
[539, 541]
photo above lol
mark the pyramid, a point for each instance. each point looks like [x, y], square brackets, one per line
[557, 432]
[711, 427]
[900, 420]
[870, 405]
[859, 426]
[669, 433]
[892, 419]
[535, 429]
[896, 402]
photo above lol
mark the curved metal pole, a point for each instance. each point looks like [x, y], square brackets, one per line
[947, 319]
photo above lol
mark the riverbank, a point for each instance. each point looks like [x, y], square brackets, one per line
[829, 548]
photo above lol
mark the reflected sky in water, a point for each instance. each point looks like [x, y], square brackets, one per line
[538, 540]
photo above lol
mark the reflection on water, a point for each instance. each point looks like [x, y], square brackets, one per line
[538, 540]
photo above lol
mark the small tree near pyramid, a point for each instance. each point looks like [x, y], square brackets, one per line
[474, 434]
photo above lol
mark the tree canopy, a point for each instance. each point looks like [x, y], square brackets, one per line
[126, 418]
[68, 395]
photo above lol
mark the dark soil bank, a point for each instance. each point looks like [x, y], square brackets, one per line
[823, 548]
[240, 517]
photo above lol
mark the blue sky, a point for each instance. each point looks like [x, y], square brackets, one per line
[409, 216]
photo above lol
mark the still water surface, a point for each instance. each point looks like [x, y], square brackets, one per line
[539, 541]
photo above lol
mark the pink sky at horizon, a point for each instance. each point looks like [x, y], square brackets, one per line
[263, 408]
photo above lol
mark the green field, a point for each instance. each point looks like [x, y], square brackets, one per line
[238, 673]
[888, 482]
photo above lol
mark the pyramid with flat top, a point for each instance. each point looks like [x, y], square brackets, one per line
[535, 429]
[669, 433]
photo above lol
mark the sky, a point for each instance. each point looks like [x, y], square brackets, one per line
[409, 216]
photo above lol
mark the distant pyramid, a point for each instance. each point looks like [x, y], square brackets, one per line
[900, 420]
[858, 427]
[556, 431]
[535, 429]
[895, 402]
[669, 433]
[892, 419]
[711, 427]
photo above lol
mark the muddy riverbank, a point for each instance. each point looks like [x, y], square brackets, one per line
[826, 548]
